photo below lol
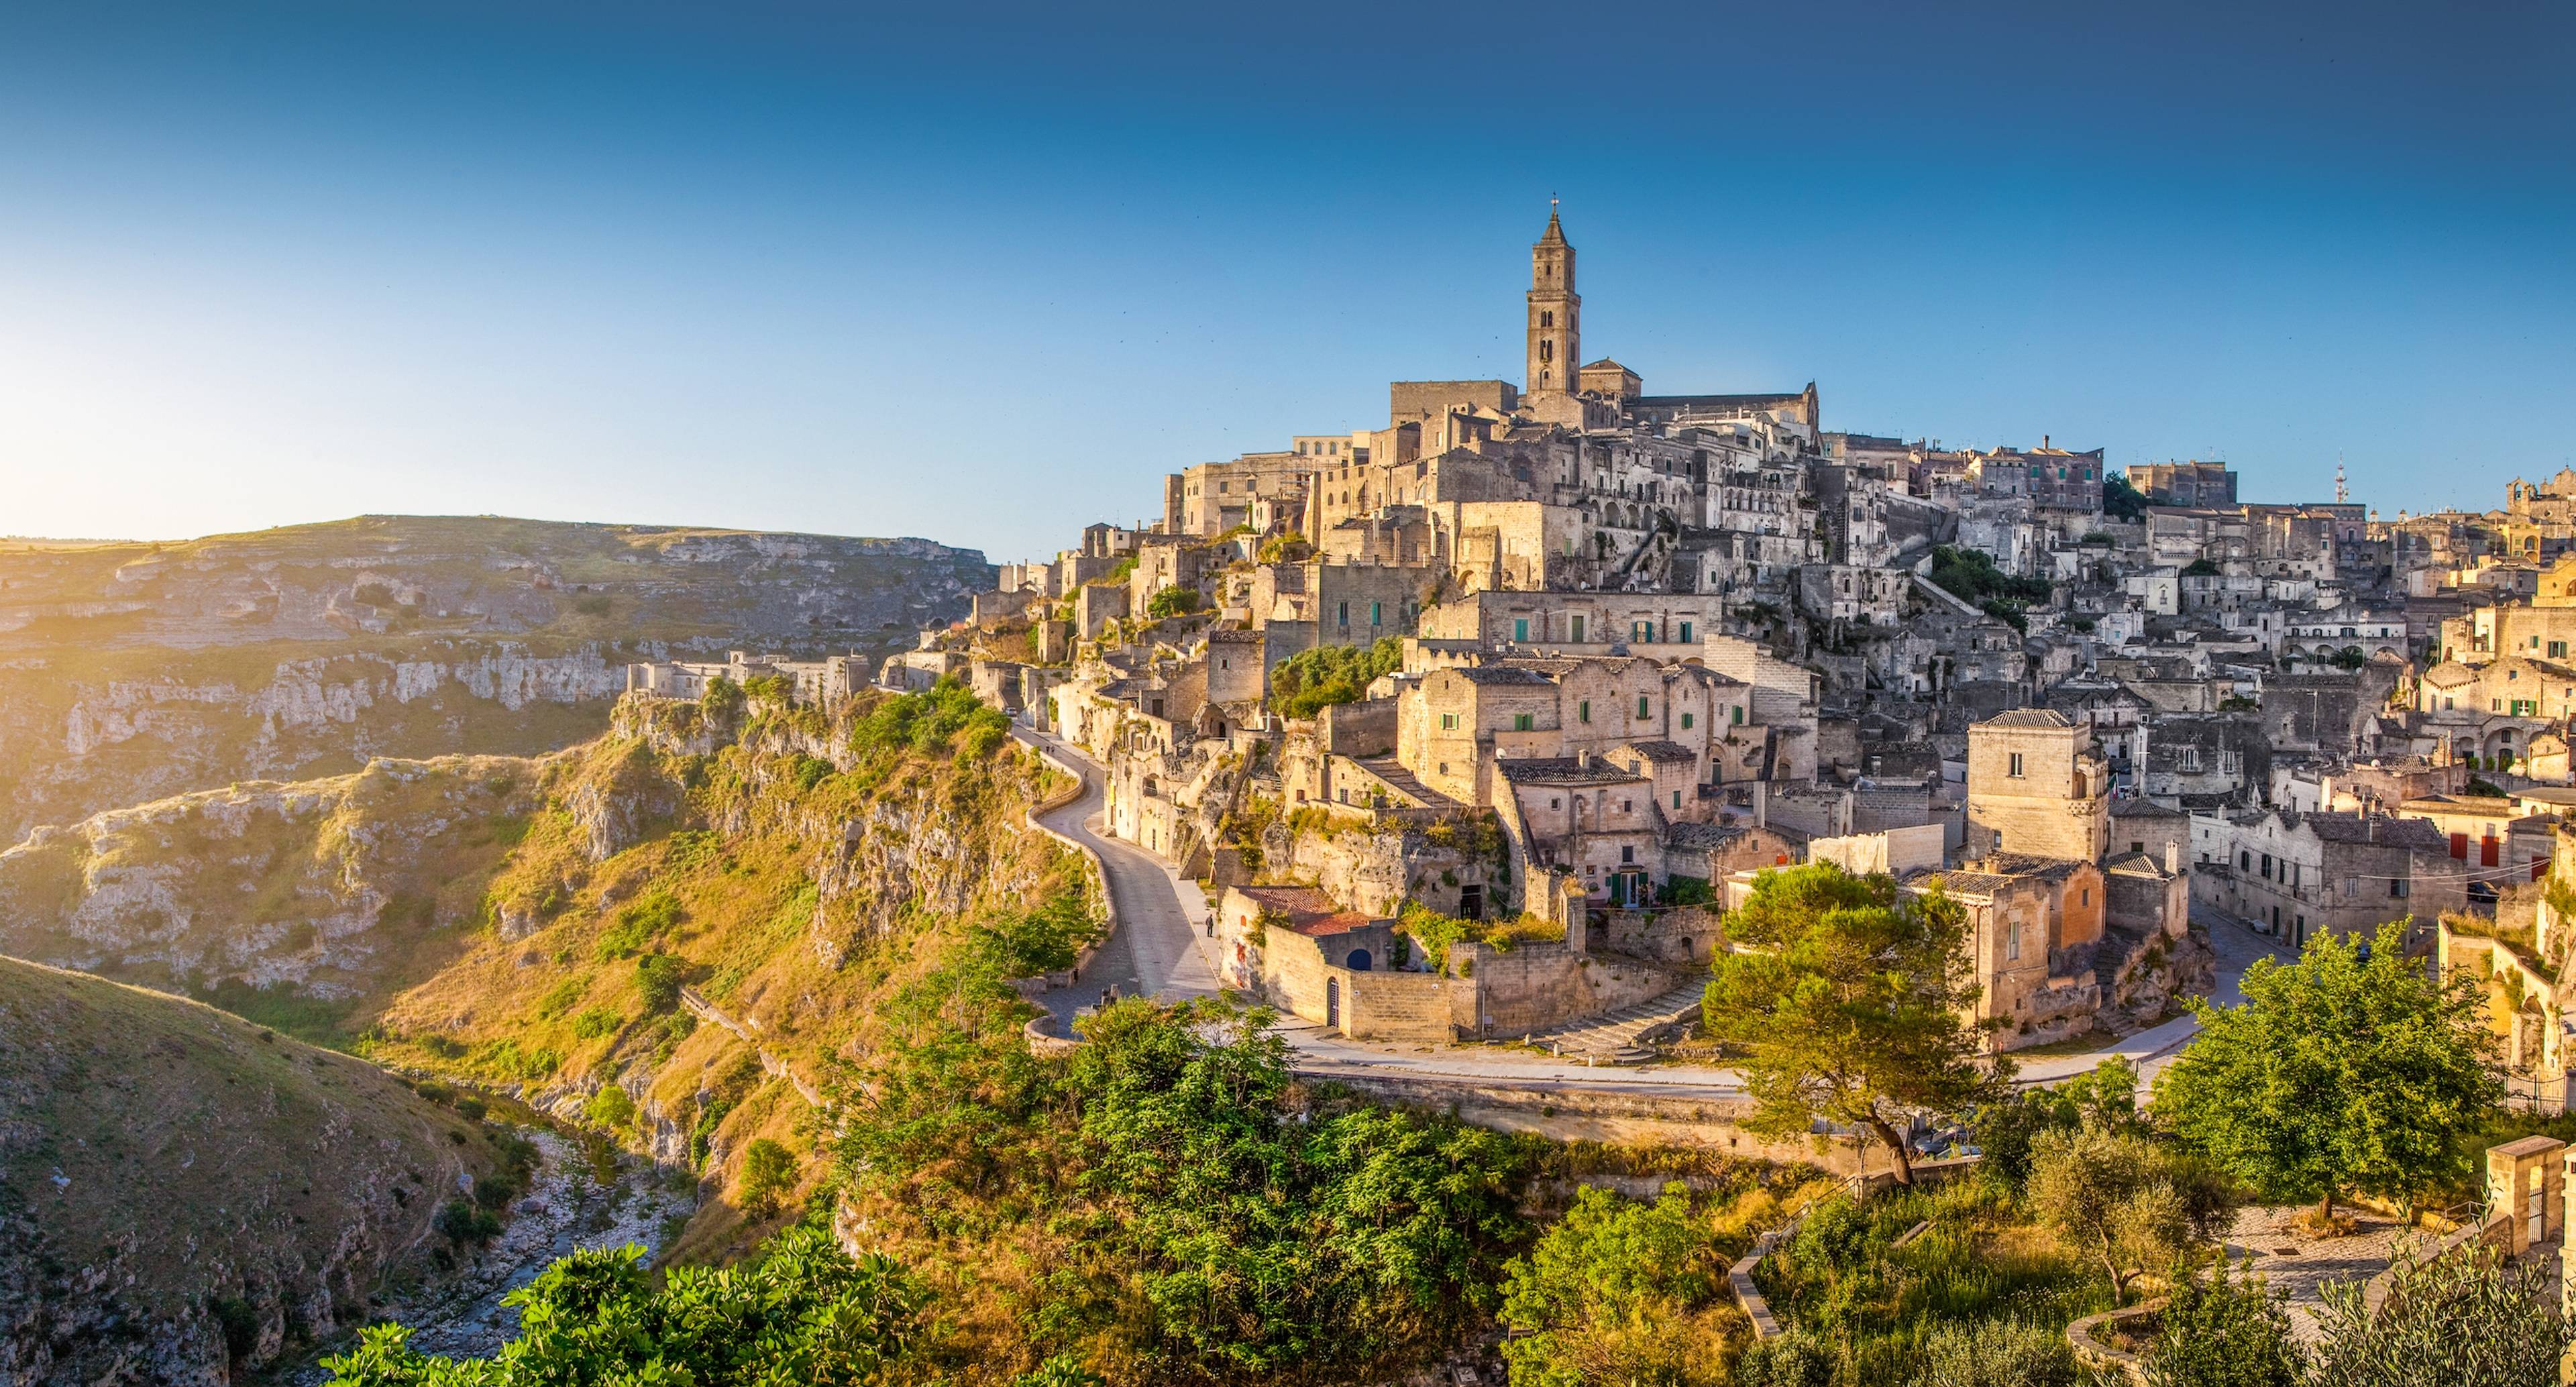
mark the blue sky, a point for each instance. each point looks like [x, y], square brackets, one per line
[982, 273]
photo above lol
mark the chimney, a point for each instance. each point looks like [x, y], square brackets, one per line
[2173, 859]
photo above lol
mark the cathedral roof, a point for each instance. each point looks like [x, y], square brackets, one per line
[1555, 230]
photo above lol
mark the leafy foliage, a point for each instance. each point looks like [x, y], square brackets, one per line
[1045, 939]
[2470, 1318]
[942, 718]
[1998, 1353]
[2128, 1201]
[2006, 1127]
[722, 701]
[2349, 1069]
[1849, 1006]
[805, 1313]
[1310, 680]
[768, 1173]
[2120, 500]
[2223, 1331]
[658, 978]
[1623, 1291]
[1172, 601]
[1971, 575]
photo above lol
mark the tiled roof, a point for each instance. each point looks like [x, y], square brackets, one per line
[1562, 770]
[1309, 910]
[2028, 717]
[1961, 883]
[2024, 864]
[2353, 828]
[2138, 864]
[1702, 836]
[1663, 752]
[2140, 807]
[1500, 674]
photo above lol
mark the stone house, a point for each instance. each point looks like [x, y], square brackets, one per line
[2294, 875]
[2032, 920]
[2037, 786]
[1293, 947]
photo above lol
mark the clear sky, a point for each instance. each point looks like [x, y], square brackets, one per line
[983, 273]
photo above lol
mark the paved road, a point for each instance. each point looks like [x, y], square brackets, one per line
[1160, 948]
[1162, 920]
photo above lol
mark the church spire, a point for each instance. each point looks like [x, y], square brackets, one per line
[1554, 333]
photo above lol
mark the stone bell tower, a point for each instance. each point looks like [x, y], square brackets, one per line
[1555, 312]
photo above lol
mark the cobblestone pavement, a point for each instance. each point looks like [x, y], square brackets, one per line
[2300, 1266]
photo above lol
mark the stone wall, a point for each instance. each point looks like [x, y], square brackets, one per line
[1395, 1006]
[1627, 1117]
[1536, 987]
[1686, 936]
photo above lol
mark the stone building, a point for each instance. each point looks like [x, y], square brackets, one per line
[2036, 785]
[2294, 875]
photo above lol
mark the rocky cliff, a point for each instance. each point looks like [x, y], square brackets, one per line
[185, 1197]
[132, 672]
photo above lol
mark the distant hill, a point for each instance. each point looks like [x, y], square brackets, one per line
[133, 671]
[183, 1194]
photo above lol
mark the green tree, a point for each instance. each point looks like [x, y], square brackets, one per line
[805, 1312]
[1619, 1292]
[2222, 1331]
[768, 1174]
[2351, 1069]
[658, 981]
[2470, 1318]
[1172, 601]
[1310, 680]
[1850, 1006]
[722, 701]
[2126, 1200]
[2122, 501]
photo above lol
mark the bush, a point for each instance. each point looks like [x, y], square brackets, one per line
[658, 981]
[768, 1174]
[461, 1223]
[597, 1022]
[610, 1108]
[1047, 939]
[1311, 680]
[1621, 1291]
[470, 1107]
[722, 702]
[639, 924]
[2470, 1318]
[804, 1312]
[1998, 1353]
[1172, 601]
[2222, 1331]
[1794, 1359]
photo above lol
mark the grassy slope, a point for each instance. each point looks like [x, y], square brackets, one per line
[148, 1137]
[938, 842]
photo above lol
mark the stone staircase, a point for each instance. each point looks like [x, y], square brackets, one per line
[1619, 1036]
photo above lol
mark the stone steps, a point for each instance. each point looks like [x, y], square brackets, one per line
[1616, 1035]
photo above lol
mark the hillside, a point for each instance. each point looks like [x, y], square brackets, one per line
[182, 1192]
[526, 924]
[131, 672]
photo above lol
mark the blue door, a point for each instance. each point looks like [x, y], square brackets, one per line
[1358, 962]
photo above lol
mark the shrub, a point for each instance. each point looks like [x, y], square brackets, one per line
[596, 1022]
[610, 1107]
[2222, 1331]
[2470, 1318]
[1172, 601]
[2126, 1201]
[470, 1107]
[1620, 1291]
[722, 702]
[460, 1223]
[639, 924]
[1998, 1353]
[768, 1174]
[1310, 680]
[657, 981]
[560, 997]
[1794, 1359]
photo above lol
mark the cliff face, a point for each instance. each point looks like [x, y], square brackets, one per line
[184, 1197]
[134, 672]
[328, 892]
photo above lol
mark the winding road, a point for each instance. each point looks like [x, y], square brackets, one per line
[1161, 949]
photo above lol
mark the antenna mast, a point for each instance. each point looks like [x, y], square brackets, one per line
[2342, 494]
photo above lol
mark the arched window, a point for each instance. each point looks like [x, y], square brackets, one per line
[1546, 318]
[1547, 351]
